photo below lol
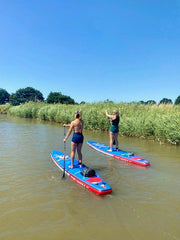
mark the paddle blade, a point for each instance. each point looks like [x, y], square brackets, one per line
[63, 176]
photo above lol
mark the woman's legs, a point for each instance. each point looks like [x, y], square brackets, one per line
[75, 146]
[113, 136]
[111, 140]
[73, 150]
[79, 146]
[116, 140]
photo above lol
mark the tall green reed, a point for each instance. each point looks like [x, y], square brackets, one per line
[160, 122]
[4, 108]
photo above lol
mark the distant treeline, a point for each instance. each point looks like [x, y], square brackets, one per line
[24, 95]
[157, 122]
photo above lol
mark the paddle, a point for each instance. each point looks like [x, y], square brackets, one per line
[64, 153]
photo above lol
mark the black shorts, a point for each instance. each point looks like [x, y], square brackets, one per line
[77, 138]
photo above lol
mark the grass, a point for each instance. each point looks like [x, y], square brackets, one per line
[4, 108]
[158, 122]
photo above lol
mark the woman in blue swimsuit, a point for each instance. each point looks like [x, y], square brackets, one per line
[114, 129]
[77, 140]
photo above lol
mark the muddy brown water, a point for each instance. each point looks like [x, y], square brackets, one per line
[35, 203]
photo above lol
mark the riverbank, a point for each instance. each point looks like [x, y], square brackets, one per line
[158, 122]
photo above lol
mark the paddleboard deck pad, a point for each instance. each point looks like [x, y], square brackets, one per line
[96, 184]
[122, 155]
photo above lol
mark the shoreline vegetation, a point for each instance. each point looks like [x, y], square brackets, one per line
[157, 122]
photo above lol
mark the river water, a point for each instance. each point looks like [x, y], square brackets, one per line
[35, 203]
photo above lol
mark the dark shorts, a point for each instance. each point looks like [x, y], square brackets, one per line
[114, 129]
[77, 138]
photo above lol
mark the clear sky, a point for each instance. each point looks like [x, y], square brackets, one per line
[92, 50]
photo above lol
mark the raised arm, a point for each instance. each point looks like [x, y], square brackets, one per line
[109, 116]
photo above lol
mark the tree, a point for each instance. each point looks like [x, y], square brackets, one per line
[83, 102]
[177, 101]
[25, 95]
[57, 97]
[166, 101]
[4, 96]
[151, 102]
[142, 102]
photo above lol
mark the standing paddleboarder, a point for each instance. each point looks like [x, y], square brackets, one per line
[114, 129]
[77, 140]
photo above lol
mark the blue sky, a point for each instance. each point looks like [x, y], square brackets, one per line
[92, 50]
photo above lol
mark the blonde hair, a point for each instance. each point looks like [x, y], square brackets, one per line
[78, 114]
[116, 112]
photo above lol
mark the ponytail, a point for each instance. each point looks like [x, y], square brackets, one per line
[78, 114]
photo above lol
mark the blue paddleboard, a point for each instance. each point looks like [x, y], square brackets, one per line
[95, 184]
[122, 155]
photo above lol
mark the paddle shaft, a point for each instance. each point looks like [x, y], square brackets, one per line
[64, 153]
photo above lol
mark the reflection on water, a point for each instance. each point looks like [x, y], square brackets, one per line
[35, 203]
